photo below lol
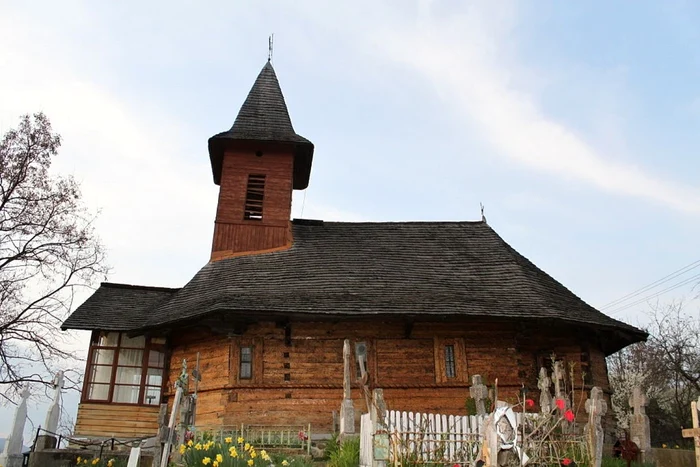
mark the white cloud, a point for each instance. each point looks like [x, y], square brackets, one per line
[469, 58]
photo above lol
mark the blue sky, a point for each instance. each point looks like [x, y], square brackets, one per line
[575, 124]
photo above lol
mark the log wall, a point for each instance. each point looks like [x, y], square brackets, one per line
[116, 420]
[297, 374]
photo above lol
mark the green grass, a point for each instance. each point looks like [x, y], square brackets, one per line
[347, 455]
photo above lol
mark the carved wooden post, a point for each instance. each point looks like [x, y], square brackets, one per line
[543, 383]
[640, 432]
[347, 409]
[596, 408]
[380, 439]
[479, 392]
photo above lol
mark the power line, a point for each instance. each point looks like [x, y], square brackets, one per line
[656, 294]
[653, 285]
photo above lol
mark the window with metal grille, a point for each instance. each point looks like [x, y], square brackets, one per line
[246, 367]
[450, 361]
[254, 198]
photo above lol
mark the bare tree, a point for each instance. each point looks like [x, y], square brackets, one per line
[667, 367]
[48, 250]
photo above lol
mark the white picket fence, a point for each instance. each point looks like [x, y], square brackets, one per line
[425, 438]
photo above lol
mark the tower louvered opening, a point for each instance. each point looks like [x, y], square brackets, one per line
[254, 198]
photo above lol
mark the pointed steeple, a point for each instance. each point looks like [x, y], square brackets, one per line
[264, 118]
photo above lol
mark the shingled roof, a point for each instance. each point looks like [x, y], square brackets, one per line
[264, 118]
[339, 269]
[117, 307]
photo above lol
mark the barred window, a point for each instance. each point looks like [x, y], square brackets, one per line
[450, 361]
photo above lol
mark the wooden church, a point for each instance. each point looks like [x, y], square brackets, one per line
[433, 302]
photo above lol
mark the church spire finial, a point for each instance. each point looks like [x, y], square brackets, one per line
[270, 42]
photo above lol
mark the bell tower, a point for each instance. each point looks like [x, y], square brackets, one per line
[257, 164]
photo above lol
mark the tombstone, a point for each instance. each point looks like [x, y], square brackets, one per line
[479, 392]
[640, 432]
[12, 452]
[53, 415]
[544, 383]
[347, 409]
[593, 431]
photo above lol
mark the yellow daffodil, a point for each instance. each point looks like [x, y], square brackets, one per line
[190, 443]
[77, 461]
[215, 464]
[219, 458]
[183, 448]
[198, 447]
[84, 461]
[246, 447]
[240, 440]
[285, 463]
[253, 454]
[206, 461]
[251, 462]
[110, 463]
[95, 461]
[228, 439]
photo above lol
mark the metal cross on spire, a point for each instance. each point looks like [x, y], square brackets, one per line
[270, 43]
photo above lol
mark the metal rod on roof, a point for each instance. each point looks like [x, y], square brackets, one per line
[270, 43]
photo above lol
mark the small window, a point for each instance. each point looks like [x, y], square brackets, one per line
[246, 369]
[254, 198]
[450, 361]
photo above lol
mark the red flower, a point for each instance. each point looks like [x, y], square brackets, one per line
[561, 404]
[529, 402]
[569, 416]
[566, 461]
[302, 436]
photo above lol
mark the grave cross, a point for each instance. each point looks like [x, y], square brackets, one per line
[640, 431]
[54, 413]
[13, 444]
[695, 431]
[596, 408]
[543, 383]
[558, 376]
[479, 392]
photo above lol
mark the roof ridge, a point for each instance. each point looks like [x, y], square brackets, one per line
[117, 285]
[302, 221]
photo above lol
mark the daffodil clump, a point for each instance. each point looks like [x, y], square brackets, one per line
[229, 453]
[97, 462]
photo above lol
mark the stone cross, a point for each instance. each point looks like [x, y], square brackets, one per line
[640, 431]
[595, 408]
[543, 383]
[54, 413]
[347, 409]
[479, 392]
[12, 452]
